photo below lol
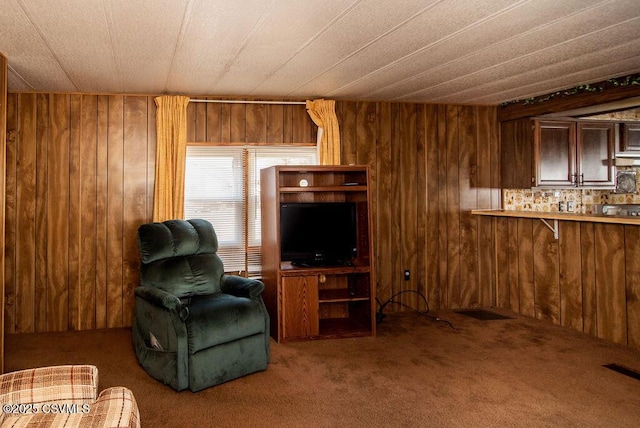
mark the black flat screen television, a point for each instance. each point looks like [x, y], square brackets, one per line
[318, 233]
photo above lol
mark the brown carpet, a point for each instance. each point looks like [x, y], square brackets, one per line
[517, 372]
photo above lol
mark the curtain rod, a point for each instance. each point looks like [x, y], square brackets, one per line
[247, 102]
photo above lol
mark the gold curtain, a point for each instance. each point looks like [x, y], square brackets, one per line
[323, 114]
[171, 152]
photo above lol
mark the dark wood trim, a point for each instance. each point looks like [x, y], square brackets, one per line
[586, 99]
[3, 159]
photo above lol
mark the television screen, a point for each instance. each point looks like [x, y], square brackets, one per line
[318, 234]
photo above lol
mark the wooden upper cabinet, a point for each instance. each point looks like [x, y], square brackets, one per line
[630, 141]
[595, 152]
[555, 153]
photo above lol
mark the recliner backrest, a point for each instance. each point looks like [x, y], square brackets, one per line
[179, 257]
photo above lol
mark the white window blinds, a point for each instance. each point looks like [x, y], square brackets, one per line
[214, 192]
[222, 185]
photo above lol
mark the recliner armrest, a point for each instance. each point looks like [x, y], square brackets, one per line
[241, 286]
[163, 299]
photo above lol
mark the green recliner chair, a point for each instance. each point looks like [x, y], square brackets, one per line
[194, 326]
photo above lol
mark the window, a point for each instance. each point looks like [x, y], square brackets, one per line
[222, 185]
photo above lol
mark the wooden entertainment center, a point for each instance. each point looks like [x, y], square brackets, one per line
[317, 302]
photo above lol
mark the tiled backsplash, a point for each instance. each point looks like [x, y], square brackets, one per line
[583, 200]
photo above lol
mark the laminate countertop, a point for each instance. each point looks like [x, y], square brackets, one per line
[594, 218]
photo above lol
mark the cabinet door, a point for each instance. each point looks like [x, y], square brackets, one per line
[596, 142]
[631, 137]
[299, 307]
[516, 154]
[555, 151]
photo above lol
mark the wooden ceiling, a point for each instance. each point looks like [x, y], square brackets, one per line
[435, 51]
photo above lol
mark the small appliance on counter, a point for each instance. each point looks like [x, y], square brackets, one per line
[621, 209]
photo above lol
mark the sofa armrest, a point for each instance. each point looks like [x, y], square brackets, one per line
[241, 286]
[115, 407]
[163, 299]
[62, 384]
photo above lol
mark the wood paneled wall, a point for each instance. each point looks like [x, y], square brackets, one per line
[80, 175]
[431, 165]
[79, 183]
[250, 123]
[587, 280]
[80, 180]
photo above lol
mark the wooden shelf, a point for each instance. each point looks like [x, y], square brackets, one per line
[341, 188]
[288, 269]
[339, 295]
[320, 169]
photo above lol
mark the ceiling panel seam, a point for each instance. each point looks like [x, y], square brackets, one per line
[460, 59]
[597, 78]
[430, 45]
[19, 76]
[186, 18]
[376, 39]
[108, 16]
[250, 35]
[493, 66]
[548, 66]
[525, 35]
[308, 42]
[46, 42]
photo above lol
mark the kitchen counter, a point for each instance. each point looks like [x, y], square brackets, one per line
[565, 216]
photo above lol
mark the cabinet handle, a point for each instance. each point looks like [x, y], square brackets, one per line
[582, 178]
[574, 179]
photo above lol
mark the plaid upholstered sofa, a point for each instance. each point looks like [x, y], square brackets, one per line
[64, 396]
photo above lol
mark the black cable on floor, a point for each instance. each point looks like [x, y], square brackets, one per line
[380, 316]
